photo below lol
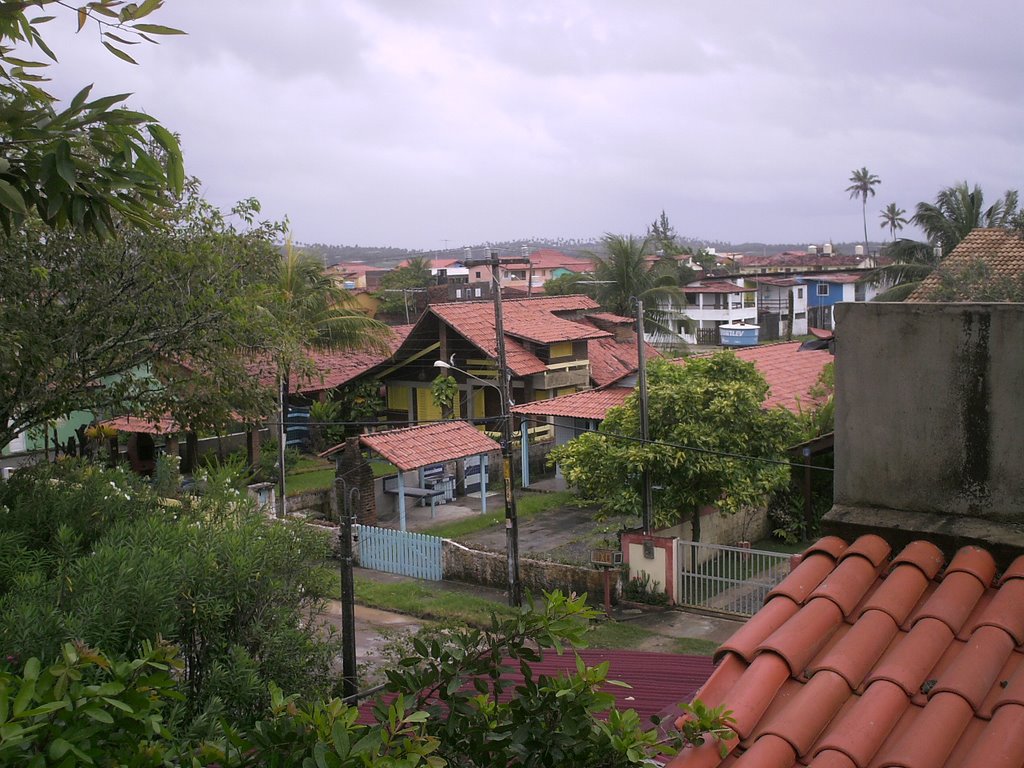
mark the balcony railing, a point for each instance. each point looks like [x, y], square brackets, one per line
[572, 374]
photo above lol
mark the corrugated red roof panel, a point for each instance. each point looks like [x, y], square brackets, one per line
[421, 446]
[655, 680]
[589, 404]
[877, 662]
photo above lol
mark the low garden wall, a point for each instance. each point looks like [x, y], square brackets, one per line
[490, 569]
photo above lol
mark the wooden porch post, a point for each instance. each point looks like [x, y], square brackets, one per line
[483, 483]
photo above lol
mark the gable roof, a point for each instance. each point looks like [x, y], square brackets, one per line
[834, 277]
[858, 661]
[588, 404]
[537, 320]
[1001, 250]
[426, 444]
[548, 258]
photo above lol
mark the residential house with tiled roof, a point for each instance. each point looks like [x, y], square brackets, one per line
[999, 253]
[553, 346]
[814, 259]
[712, 303]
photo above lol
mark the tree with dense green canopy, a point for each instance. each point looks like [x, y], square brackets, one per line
[86, 321]
[90, 163]
[712, 443]
[863, 186]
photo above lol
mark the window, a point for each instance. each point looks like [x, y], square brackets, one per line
[822, 289]
[800, 316]
[458, 293]
[560, 349]
[477, 291]
[748, 299]
[478, 274]
[799, 293]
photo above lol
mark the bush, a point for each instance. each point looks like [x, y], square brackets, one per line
[113, 568]
[641, 589]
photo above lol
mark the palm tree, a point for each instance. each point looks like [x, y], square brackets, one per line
[622, 275]
[892, 217]
[956, 211]
[959, 209]
[310, 311]
[863, 186]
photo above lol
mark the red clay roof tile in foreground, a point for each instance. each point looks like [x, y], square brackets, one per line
[421, 446]
[922, 668]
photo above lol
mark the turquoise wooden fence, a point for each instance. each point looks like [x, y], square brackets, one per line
[401, 552]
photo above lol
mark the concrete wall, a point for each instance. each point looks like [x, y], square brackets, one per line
[491, 570]
[929, 420]
[661, 568]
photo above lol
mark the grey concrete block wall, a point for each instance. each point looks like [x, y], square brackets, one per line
[930, 409]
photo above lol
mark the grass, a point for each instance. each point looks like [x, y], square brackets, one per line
[425, 602]
[526, 506]
[775, 545]
[695, 646]
[617, 634]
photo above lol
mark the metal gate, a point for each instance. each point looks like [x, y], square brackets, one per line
[732, 580]
[402, 552]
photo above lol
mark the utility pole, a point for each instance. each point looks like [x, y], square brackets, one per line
[348, 599]
[641, 375]
[515, 587]
[282, 437]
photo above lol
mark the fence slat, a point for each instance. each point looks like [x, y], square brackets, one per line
[401, 552]
[725, 579]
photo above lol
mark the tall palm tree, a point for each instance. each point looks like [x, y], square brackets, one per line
[863, 186]
[893, 218]
[310, 311]
[959, 209]
[621, 274]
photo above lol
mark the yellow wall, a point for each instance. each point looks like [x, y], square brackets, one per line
[398, 397]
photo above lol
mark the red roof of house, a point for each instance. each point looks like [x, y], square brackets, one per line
[857, 660]
[1001, 250]
[332, 369]
[801, 259]
[163, 425]
[720, 286]
[654, 680]
[589, 404]
[836, 277]
[415, 447]
[610, 318]
[790, 372]
[612, 360]
[548, 258]
[534, 319]
[782, 282]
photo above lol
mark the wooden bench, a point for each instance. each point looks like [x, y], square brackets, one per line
[420, 494]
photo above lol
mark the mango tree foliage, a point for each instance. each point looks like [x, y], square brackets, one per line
[709, 431]
[85, 321]
[88, 162]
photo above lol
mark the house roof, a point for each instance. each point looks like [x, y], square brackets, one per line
[1001, 250]
[857, 660]
[791, 373]
[589, 404]
[835, 277]
[801, 259]
[534, 319]
[420, 446]
[781, 282]
[612, 360]
[332, 369]
[719, 286]
[548, 258]
[653, 680]
[611, 319]
[162, 425]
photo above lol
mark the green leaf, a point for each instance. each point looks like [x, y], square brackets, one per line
[99, 715]
[25, 693]
[4, 697]
[157, 29]
[11, 199]
[119, 53]
[65, 165]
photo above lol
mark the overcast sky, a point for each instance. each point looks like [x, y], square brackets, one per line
[417, 123]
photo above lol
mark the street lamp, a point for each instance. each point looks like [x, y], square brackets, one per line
[515, 588]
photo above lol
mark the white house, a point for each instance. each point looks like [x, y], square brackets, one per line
[781, 301]
[709, 304]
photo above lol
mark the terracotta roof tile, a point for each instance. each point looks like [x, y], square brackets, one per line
[589, 404]
[852, 664]
[1000, 249]
[791, 373]
[421, 446]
